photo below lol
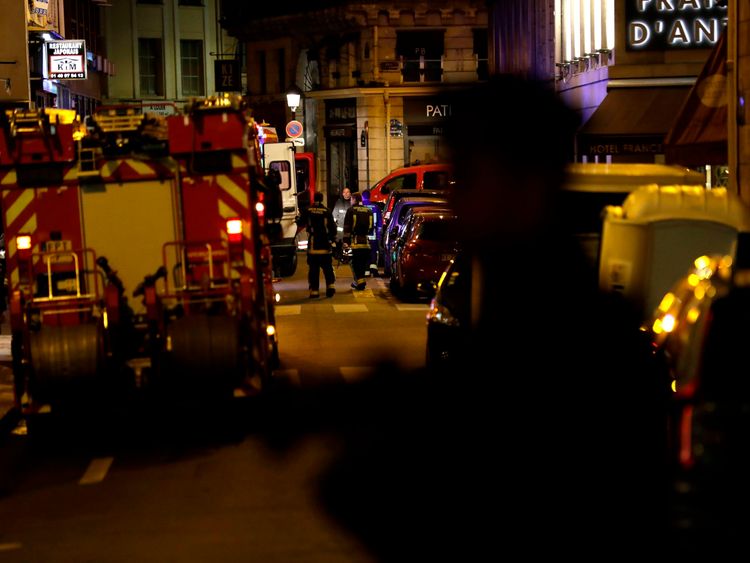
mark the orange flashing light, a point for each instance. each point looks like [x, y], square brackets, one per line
[234, 230]
[23, 242]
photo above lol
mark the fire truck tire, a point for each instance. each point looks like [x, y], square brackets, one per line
[205, 347]
[62, 356]
[288, 266]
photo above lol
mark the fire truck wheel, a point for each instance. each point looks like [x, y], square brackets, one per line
[205, 348]
[63, 357]
[288, 266]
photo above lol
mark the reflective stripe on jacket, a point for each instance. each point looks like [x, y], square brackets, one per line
[321, 229]
[357, 225]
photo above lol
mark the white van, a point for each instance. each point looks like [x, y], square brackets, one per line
[650, 241]
[279, 156]
[589, 188]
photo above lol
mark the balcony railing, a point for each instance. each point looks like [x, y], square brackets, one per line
[422, 69]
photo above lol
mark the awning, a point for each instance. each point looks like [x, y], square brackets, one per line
[631, 121]
[699, 134]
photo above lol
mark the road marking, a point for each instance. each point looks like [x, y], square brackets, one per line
[96, 471]
[352, 374]
[367, 292]
[284, 310]
[10, 546]
[290, 374]
[412, 307]
[358, 308]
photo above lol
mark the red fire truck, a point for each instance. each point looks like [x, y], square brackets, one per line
[136, 256]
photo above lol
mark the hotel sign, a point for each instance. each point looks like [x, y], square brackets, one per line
[674, 24]
[66, 60]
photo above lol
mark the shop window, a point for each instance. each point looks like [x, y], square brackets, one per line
[421, 54]
[151, 67]
[191, 61]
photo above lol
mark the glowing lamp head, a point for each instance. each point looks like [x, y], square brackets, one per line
[23, 242]
[234, 230]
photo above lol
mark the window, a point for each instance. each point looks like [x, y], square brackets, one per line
[421, 55]
[262, 76]
[281, 58]
[191, 60]
[151, 67]
[437, 180]
[190, 2]
[405, 181]
[480, 52]
[282, 166]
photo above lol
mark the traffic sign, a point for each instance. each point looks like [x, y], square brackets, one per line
[294, 129]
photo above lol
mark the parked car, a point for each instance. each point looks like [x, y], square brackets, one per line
[423, 252]
[449, 315]
[590, 187]
[393, 228]
[701, 330]
[417, 177]
[395, 195]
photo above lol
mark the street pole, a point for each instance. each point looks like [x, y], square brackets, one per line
[732, 64]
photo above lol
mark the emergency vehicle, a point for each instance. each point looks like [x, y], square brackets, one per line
[136, 255]
[280, 157]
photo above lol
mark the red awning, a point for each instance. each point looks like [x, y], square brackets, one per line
[699, 133]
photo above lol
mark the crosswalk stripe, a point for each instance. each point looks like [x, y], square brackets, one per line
[357, 308]
[284, 310]
[96, 471]
[411, 307]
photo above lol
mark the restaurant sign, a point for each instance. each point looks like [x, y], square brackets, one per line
[66, 60]
[674, 24]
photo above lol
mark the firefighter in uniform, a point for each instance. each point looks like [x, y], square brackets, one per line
[375, 233]
[358, 223]
[321, 233]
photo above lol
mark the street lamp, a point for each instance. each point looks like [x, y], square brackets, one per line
[293, 96]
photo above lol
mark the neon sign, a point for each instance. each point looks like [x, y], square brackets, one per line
[674, 24]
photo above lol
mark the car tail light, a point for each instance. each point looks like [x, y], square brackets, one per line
[234, 230]
[686, 437]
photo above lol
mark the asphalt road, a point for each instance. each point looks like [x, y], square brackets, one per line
[240, 482]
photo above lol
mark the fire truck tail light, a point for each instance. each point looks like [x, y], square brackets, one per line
[259, 207]
[234, 230]
[23, 242]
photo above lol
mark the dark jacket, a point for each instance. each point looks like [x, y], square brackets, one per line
[358, 223]
[321, 229]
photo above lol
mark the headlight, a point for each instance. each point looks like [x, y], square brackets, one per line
[441, 314]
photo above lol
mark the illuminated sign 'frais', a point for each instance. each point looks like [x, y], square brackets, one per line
[674, 24]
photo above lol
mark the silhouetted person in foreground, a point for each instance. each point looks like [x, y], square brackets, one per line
[550, 437]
